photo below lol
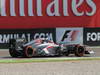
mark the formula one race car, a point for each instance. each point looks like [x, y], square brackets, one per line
[43, 47]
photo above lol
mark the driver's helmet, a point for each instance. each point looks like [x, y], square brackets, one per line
[45, 40]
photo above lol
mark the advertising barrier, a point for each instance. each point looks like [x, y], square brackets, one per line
[91, 36]
[28, 14]
[85, 36]
[23, 18]
[28, 34]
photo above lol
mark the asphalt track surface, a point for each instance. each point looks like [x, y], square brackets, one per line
[81, 67]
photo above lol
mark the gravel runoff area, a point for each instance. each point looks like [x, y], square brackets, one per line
[80, 67]
[52, 68]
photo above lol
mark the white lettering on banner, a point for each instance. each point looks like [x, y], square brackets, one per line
[43, 35]
[54, 4]
[56, 8]
[3, 8]
[93, 7]
[75, 6]
[21, 5]
[12, 8]
[39, 8]
[93, 36]
[29, 37]
[30, 8]
[65, 8]
[4, 38]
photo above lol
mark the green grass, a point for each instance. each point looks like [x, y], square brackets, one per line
[31, 60]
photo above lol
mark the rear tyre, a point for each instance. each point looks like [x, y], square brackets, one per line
[79, 51]
[67, 53]
[13, 53]
[28, 52]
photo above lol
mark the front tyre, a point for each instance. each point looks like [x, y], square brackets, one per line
[28, 52]
[79, 51]
[67, 53]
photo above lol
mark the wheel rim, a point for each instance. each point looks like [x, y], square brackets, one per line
[29, 52]
[80, 51]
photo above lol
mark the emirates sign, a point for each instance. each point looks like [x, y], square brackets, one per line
[52, 8]
[46, 13]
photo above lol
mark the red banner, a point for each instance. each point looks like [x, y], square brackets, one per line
[25, 14]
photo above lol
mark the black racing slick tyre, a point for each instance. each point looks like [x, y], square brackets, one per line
[28, 52]
[79, 51]
[67, 53]
[13, 53]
